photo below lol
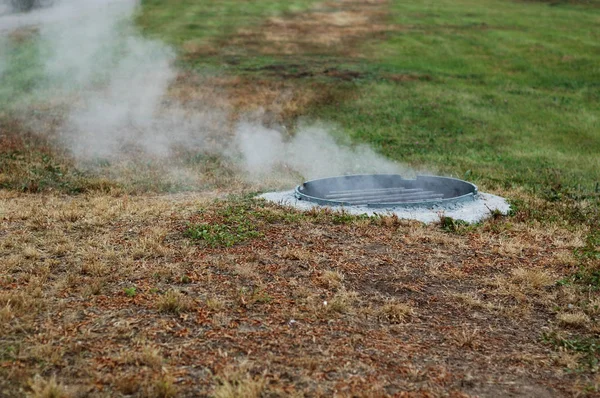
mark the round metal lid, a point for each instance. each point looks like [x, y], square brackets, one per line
[386, 190]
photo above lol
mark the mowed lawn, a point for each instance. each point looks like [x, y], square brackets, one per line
[114, 283]
[504, 92]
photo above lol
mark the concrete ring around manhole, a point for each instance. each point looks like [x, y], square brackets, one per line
[425, 198]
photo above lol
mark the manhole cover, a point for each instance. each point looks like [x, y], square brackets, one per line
[386, 190]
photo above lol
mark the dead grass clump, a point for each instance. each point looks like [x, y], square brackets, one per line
[474, 302]
[469, 299]
[20, 304]
[6, 313]
[389, 221]
[163, 387]
[332, 279]
[146, 355]
[523, 283]
[246, 270]
[593, 307]
[221, 319]
[31, 253]
[395, 312]
[511, 247]
[342, 302]
[46, 352]
[94, 288]
[47, 388]
[566, 359]
[534, 278]
[296, 253]
[175, 302]
[150, 246]
[215, 303]
[128, 384]
[573, 319]
[240, 385]
[71, 215]
[95, 268]
[151, 357]
[62, 249]
[467, 337]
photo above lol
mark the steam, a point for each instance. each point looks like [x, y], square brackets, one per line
[312, 152]
[113, 84]
[3, 55]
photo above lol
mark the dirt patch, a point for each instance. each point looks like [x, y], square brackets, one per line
[284, 93]
[272, 101]
[295, 71]
[333, 28]
[409, 77]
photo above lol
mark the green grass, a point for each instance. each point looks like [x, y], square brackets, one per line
[181, 22]
[513, 96]
[233, 224]
[21, 72]
[507, 93]
[130, 291]
[588, 347]
[217, 235]
[588, 274]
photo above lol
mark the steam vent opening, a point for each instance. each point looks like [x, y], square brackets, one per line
[386, 190]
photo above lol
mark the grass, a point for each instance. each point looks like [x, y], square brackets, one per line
[22, 73]
[117, 277]
[183, 23]
[195, 28]
[237, 225]
[500, 92]
[510, 100]
[483, 90]
[384, 276]
[394, 312]
[588, 347]
[174, 302]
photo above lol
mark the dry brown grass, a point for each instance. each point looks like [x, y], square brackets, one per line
[359, 308]
[568, 360]
[175, 302]
[473, 301]
[467, 337]
[575, 319]
[331, 27]
[395, 312]
[332, 279]
[393, 289]
[341, 302]
[47, 388]
[240, 385]
[271, 101]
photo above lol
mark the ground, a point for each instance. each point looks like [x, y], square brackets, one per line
[116, 280]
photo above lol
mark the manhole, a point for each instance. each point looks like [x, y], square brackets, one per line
[386, 190]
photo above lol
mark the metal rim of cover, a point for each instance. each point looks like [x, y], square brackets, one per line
[386, 190]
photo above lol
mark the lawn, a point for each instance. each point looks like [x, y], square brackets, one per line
[164, 276]
[503, 92]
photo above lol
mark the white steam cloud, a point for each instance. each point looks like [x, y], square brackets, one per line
[116, 84]
[312, 152]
